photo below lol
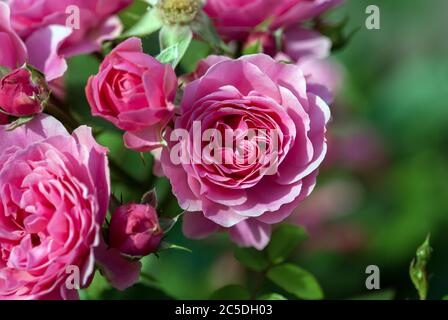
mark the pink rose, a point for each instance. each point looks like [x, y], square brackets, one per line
[256, 185]
[135, 230]
[135, 92]
[235, 19]
[42, 24]
[54, 196]
[291, 12]
[13, 51]
[20, 95]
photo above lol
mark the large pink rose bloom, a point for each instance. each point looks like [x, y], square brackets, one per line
[42, 24]
[13, 51]
[251, 93]
[236, 18]
[54, 193]
[135, 92]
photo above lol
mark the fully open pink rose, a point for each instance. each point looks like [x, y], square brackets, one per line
[20, 95]
[258, 184]
[235, 19]
[49, 29]
[135, 92]
[135, 230]
[54, 194]
[13, 51]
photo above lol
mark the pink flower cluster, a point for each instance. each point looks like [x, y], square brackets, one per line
[38, 31]
[54, 186]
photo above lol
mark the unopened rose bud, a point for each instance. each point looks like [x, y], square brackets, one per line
[135, 230]
[179, 11]
[23, 93]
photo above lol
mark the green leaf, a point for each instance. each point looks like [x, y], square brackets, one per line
[149, 23]
[417, 269]
[4, 71]
[169, 55]
[170, 246]
[197, 51]
[252, 258]
[296, 281]
[445, 297]
[284, 241]
[204, 28]
[174, 43]
[231, 292]
[378, 295]
[18, 123]
[95, 290]
[253, 48]
[272, 296]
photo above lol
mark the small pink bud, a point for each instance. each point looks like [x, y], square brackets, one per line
[135, 230]
[22, 93]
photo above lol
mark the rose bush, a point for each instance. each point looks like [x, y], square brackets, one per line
[253, 92]
[54, 194]
[135, 92]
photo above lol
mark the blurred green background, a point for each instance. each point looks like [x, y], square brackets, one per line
[383, 188]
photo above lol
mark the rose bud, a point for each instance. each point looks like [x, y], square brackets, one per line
[135, 92]
[23, 92]
[135, 230]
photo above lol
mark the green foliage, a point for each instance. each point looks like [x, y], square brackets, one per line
[149, 23]
[377, 295]
[269, 263]
[296, 281]
[256, 47]
[170, 246]
[272, 296]
[252, 258]
[132, 15]
[203, 27]
[285, 240]
[19, 122]
[174, 43]
[417, 269]
[197, 51]
[231, 292]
